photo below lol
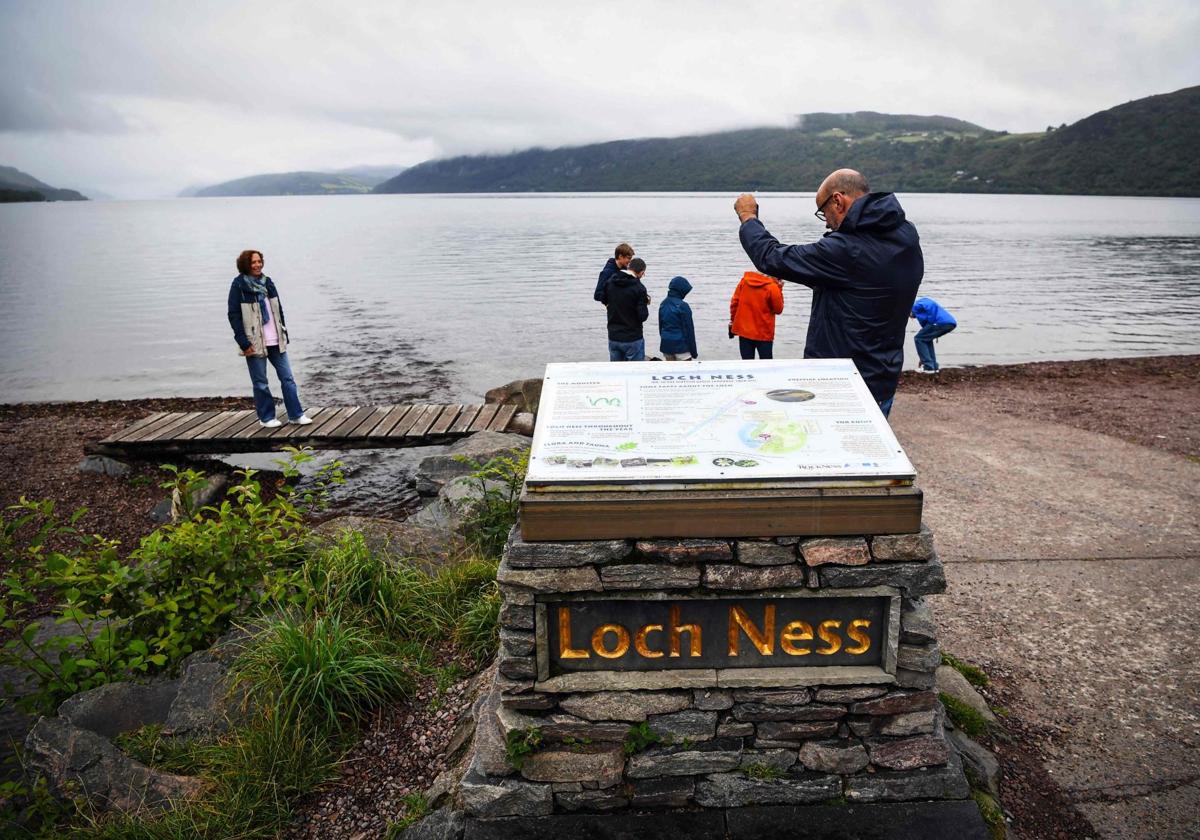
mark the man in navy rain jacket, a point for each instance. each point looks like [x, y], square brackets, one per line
[864, 274]
[676, 333]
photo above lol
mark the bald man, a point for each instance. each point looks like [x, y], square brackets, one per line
[864, 274]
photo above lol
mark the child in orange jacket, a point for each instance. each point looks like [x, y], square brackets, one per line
[752, 310]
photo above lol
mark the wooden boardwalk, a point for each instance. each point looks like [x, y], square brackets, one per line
[333, 427]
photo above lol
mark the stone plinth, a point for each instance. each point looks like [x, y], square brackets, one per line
[755, 708]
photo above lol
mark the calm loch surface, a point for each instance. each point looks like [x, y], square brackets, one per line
[394, 297]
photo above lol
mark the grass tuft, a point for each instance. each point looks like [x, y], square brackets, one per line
[974, 674]
[993, 815]
[322, 670]
[963, 716]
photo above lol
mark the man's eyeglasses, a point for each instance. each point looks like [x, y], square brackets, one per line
[820, 214]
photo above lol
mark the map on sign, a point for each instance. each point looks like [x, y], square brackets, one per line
[763, 423]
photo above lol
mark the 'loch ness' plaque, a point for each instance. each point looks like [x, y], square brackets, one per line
[587, 634]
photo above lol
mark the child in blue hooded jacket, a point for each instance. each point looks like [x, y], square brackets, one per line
[677, 335]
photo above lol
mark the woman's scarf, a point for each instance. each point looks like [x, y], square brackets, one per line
[257, 286]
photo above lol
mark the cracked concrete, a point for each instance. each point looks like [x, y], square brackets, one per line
[1073, 562]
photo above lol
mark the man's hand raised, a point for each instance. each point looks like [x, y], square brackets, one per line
[746, 207]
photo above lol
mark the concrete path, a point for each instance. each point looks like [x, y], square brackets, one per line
[1074, 567]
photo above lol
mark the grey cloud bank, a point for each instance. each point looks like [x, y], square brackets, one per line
[141, 100]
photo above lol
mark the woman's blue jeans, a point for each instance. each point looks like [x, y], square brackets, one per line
[264, 403]
[924, 340]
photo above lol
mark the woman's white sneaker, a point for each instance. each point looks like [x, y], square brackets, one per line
[270, 424]
[302, 420]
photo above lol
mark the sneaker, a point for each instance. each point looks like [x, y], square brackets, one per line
[302, 420]
[923, 369]
[270, 424]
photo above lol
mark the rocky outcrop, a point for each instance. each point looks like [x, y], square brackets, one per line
[464, 457]
[79, 762]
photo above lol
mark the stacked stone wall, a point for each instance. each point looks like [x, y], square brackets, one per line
[603, 741]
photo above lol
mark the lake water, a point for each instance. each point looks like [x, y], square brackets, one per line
[442, 297]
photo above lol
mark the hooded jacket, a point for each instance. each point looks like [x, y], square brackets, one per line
[928, 311]
[676, 332]
[864, 278]
[627, 306]
[245, 316]
[610, 268]
[755, 303]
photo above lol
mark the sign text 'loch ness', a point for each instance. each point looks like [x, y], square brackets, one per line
[646, 635]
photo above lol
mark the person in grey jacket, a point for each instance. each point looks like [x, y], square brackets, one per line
[261, 332]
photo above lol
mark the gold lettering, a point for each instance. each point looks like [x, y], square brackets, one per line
[693, 631]
[639, 641]
[764, 640]
[565, 650]
[825, 631]
[855, 632]
[622, 641]
[796, 631]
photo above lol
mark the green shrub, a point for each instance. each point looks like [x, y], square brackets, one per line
[499, 481]
[321, 669]
[177, 591]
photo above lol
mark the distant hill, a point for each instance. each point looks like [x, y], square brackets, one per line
[1145, 147]
[16, 185]
[359, 179]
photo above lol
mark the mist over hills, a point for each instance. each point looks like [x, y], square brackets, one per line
[1144, 147]
[16, 185]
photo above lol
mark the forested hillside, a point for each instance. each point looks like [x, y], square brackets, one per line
[1145, 147]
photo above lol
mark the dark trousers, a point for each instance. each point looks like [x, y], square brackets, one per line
[747, 346]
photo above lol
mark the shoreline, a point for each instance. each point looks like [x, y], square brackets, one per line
[1149, 401]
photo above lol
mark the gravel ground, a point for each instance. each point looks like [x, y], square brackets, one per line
[401, 751]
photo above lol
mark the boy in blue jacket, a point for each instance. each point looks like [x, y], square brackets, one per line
[935, 322]
[677, 336]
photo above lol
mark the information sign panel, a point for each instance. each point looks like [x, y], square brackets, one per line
[758, 423]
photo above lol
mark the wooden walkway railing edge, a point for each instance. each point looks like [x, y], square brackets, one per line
[333, 427]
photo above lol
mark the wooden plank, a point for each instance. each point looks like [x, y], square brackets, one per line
[485, 416]
[291, 429]
[442, 423]
[201, 429]
[161, 423]
[366, 420]
[348, 422]
[178, 421]
[428, 415]
[322, 428]
[235, 422]
[174, 432]
[395, 415]
[245, 430]
[140, 424]
[732, 513]
[469, 413]
[502, 417]
[410, 419]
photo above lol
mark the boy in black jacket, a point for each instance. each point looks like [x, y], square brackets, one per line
[628, 308]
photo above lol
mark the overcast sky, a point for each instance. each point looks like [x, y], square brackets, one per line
[142, 99]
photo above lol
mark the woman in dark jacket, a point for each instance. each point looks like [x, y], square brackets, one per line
[260, 331]
[677, 336]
